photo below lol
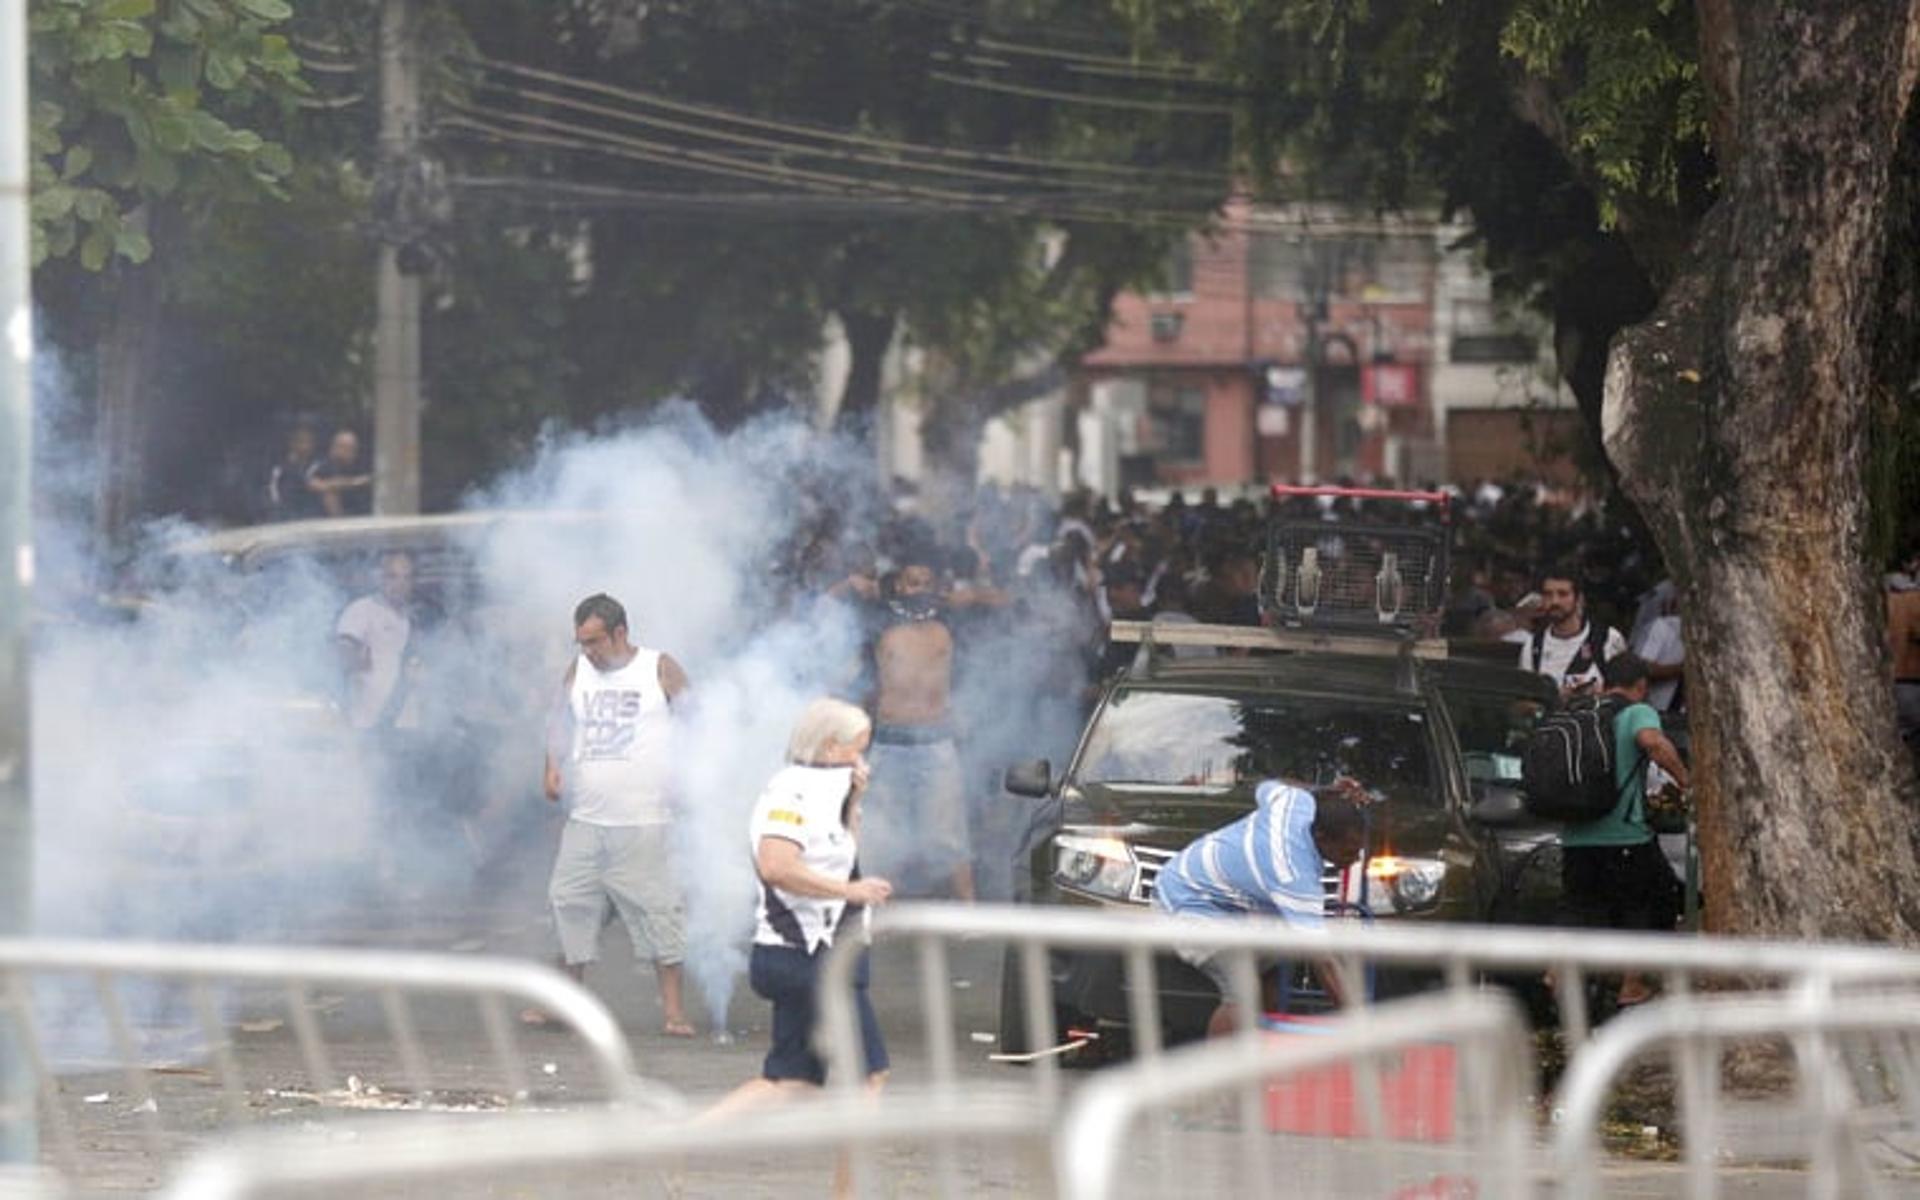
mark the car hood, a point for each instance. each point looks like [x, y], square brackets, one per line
[1170, 817]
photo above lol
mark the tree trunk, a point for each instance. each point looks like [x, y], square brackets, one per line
[868, 336]
[1737, 417]
[122, 434]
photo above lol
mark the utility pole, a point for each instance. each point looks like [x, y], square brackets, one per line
[17, 1094]
[396, 358]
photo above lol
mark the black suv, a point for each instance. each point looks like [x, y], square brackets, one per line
[1175, 749]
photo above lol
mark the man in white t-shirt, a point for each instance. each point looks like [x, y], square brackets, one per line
[1566, 647]
[610, 754]
[372, 635]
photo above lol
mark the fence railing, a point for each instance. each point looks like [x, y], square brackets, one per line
[1082, 1151]
[195, 1038]
[592, 1153]
[1853, 1117]
[1382, 1127]
[1461, 957]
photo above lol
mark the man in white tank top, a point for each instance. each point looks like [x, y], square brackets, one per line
[610, 757]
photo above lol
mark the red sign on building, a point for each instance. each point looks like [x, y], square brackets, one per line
[1390, 385]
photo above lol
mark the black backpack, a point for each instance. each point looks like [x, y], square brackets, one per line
[1566, 767]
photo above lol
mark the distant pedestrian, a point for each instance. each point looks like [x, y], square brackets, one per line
[1566, 645]
[286, 496]
[612, 761]
[373, 634]
[340, 481]
[804, 839]
[1613, 875]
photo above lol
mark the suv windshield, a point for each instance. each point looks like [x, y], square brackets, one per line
[1161, 739]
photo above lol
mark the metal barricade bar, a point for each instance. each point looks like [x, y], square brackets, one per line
[1088, 1146]
[1700, 1028]
[291, 973]
[444, 1152]
[1458, 952]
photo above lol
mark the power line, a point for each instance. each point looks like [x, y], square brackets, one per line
[987, 204]
[623, 145]
[791, 149]
[571, 195]
[841, 136]
[1069, 206]
[747, 139]
[1038, 93]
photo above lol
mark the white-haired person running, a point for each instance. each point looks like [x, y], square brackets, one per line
[804, 837]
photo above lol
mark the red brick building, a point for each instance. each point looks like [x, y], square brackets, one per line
[1307, 344]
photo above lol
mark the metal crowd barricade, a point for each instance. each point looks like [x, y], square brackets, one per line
[1462, 956]
[1480, 1151]
[789, 1150]
[1857, 1063]
[178, 1030]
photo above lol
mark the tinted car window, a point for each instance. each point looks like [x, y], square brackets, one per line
[1492, 729]
[1179, 739]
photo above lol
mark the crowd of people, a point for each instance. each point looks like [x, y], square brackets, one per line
[874, 801]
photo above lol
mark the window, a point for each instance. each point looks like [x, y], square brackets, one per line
[1176, 272]
[1226, 743]
[1480, 336]
[1282, 267]
[1177, 424]
[1307, 266]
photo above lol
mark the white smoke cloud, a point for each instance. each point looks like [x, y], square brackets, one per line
[194, 779]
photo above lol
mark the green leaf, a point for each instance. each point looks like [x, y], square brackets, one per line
[225, 71]
[274, 159]
[132, 245]
[125, 10]
[54, 202]
[211, 133]
[94, 250]
[267, 10]
[172, 132]
[79, 158]
[92, 204]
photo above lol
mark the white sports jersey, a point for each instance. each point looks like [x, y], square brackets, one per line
[622, 743]
[1565, 660]
[803, 805]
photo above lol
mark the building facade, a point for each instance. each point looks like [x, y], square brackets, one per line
[1301, 343]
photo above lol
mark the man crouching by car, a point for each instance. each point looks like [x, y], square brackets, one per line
[1268, 863]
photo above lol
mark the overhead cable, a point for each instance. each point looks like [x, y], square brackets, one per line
[845, 137]
[1195, 107]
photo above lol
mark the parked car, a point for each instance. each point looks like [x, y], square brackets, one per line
[1175, 748]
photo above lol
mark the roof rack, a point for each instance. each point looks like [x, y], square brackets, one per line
[1384, 569]
[1250, 637]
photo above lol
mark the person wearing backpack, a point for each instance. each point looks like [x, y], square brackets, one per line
[1612, 874]
[1566, 647]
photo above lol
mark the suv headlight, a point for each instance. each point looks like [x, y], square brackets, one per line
[1409, 885]
[1103, 867]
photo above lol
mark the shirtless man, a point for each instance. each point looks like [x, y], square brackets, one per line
[915, 812]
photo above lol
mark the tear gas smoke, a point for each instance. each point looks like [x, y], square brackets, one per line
[194, 779]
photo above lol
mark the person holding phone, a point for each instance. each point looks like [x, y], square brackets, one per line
[1566, 646]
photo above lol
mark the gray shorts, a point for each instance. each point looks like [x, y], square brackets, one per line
[913, 819]
[629, 867]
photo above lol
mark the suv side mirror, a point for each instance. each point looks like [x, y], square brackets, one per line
[1034, 779]
[1497, 804]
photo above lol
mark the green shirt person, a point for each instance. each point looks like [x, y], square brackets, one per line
[1612, 874]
